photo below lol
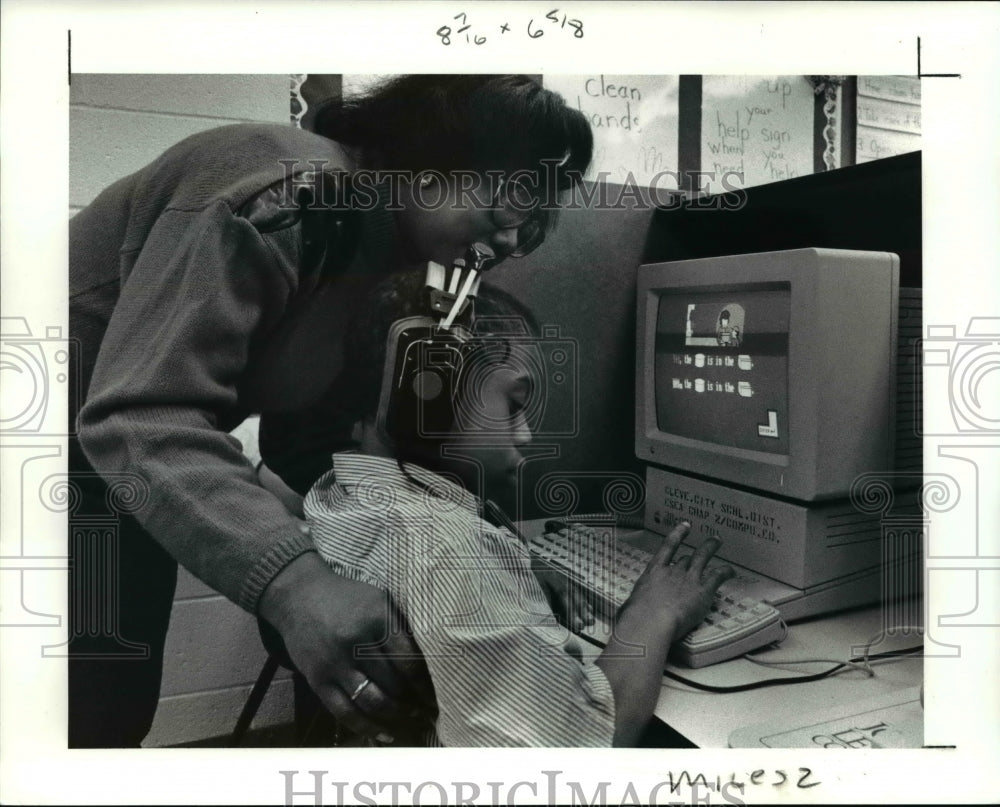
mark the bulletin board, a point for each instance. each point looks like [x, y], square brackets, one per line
[760, 127]
[888, 113]
[688, 132]
[635, 124]
[712, 133]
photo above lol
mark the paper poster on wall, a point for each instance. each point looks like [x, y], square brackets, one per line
[880, 114]
[634, 121]
[888, 116]
[877, 144]
[903, 89]
[759, 126]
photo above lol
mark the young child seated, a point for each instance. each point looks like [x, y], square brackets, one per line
[405, 513]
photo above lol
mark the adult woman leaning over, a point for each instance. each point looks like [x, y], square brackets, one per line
[215, 283]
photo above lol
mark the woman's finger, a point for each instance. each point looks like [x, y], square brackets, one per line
[398, 666]
[350, 712]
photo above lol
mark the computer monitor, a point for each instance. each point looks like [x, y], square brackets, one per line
[774, 371]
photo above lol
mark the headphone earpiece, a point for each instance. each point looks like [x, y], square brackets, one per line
[420, 382]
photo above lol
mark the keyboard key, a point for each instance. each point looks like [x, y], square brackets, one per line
[608, 571]
[705, 633]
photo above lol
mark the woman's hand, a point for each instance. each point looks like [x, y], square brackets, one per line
[340, 633]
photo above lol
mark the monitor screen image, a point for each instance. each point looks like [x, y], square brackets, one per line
[773, 371]
[721, 366]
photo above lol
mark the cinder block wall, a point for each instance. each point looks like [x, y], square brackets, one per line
[118, 123]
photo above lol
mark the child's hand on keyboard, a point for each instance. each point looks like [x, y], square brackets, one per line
[667, 602]
[571, 609]
[680, 593]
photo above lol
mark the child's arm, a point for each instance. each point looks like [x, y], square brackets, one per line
[574, 613]
[668, 601]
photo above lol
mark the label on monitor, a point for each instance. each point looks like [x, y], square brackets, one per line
[801, 545]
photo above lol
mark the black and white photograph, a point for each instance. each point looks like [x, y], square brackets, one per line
[427, 403]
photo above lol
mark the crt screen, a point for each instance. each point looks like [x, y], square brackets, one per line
[721, 366]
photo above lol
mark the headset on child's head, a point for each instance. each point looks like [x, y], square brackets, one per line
[426, 357]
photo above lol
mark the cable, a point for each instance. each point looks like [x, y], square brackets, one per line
[864, 667]
[800, 679]
[877, 636]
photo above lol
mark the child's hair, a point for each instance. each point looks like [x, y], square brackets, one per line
[462, 123]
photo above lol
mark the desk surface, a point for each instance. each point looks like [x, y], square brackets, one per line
[708, 718]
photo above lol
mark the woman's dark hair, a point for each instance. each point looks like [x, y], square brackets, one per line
[462, 123]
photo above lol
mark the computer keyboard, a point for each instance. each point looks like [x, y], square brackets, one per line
[599, 563]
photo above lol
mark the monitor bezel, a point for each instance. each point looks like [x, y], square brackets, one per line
[834, 435]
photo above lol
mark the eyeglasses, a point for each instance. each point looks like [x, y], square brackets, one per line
[515, 207]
